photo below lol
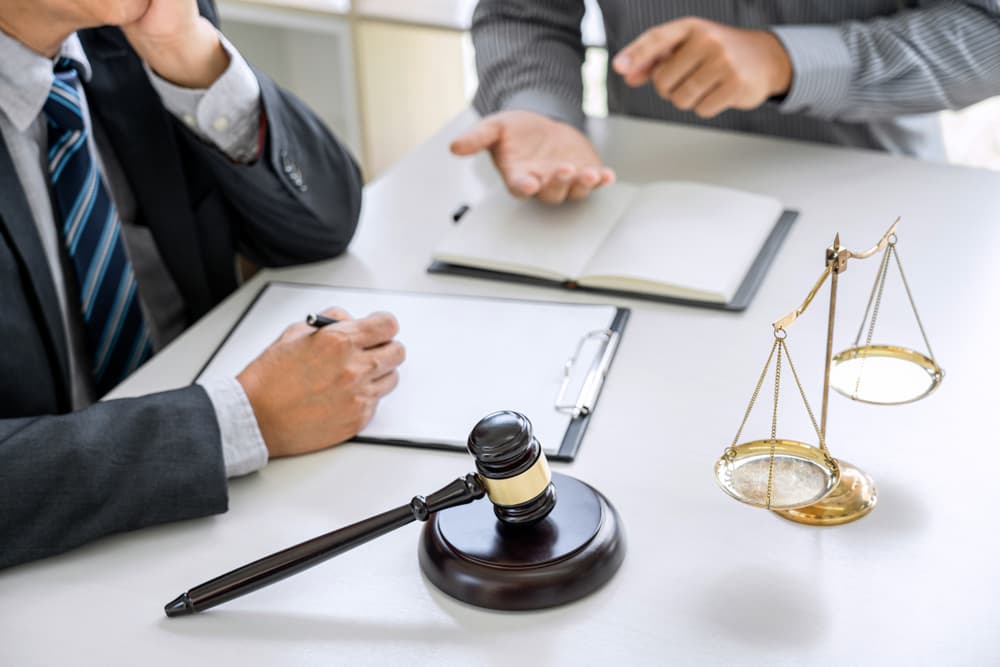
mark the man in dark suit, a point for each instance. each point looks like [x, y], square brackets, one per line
[139, 154]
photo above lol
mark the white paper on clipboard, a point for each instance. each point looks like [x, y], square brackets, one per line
[465, 356]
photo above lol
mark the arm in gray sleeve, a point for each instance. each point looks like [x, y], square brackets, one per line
[940, 55]
[528, 55]
[117, 465]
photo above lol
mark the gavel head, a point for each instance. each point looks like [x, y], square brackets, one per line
[513, 468]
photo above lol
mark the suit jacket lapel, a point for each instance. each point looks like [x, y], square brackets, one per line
[19, 223]
[143, 137]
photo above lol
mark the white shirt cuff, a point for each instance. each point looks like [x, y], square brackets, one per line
[822, 69]
[226, 114]
[243, 448]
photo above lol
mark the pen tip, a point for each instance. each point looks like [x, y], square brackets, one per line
[179, 607]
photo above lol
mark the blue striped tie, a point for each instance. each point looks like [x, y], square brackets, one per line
[117, 335]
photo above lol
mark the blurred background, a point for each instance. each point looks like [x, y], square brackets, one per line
[386, 74]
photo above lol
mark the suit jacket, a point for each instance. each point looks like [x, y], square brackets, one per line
[69, 477]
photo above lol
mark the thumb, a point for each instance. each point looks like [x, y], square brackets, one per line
[482, 136]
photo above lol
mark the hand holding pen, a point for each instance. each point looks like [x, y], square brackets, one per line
[319, 384]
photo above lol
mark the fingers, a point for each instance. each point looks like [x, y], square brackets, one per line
[689, 92]
[522, 184]
[300, 329]
[375, 331]
[637, 59]
[718, 100]
[572, 183]
[337, 313]
[296, 331]
[385, 384]
[668, 73]
[481, 137]
[558, 185]
[368, 332]
[587, 180]
[383, 359]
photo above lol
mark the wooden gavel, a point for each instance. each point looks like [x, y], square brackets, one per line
[511, 470]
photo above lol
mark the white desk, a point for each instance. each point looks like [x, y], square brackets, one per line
[706, 580]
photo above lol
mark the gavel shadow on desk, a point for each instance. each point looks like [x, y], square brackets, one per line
[529, 552]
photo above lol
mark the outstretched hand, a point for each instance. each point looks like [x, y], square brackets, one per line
[537, 156]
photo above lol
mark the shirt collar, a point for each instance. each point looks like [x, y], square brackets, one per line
[26, 77]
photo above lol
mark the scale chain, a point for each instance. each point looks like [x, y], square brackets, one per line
[774, 420]
[883, 273]
[906, 285]
[805, 401]
[753, 398]
[883, 266]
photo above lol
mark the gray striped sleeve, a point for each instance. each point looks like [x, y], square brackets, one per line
[528, 55]
[945, 55]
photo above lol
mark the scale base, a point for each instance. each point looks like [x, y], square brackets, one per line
[852, 498]
[472, 556]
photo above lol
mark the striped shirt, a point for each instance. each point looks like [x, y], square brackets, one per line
[867, 73]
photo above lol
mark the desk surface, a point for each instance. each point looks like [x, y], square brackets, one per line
[706, 580]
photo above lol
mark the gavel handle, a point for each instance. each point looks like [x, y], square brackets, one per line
[294, 559]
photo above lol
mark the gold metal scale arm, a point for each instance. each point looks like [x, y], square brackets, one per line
[836, 263]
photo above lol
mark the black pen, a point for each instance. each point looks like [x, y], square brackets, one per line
[319, 321]
[459, 212]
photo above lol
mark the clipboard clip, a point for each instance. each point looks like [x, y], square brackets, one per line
[585, 400]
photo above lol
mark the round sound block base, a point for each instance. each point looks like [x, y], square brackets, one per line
[471, 555]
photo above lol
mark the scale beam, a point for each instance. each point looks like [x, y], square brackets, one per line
[836, 262]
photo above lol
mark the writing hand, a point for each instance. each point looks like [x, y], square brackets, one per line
[179, 44]
[537, 156]
[707, 67]
[313, 388]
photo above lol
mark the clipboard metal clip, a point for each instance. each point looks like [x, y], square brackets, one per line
[584, 402]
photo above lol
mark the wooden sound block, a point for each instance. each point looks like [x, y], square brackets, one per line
[472, 556]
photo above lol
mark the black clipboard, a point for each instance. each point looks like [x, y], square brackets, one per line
[597, 364]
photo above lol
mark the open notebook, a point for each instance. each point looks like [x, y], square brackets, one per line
[465, 358]
[674, 241]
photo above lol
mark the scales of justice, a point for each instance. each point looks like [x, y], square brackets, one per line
[803, 482]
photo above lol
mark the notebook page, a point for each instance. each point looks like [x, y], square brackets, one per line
[503, 233]
[700, 240]
[465, 357]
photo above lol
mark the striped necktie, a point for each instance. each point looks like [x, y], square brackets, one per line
[117, 335]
